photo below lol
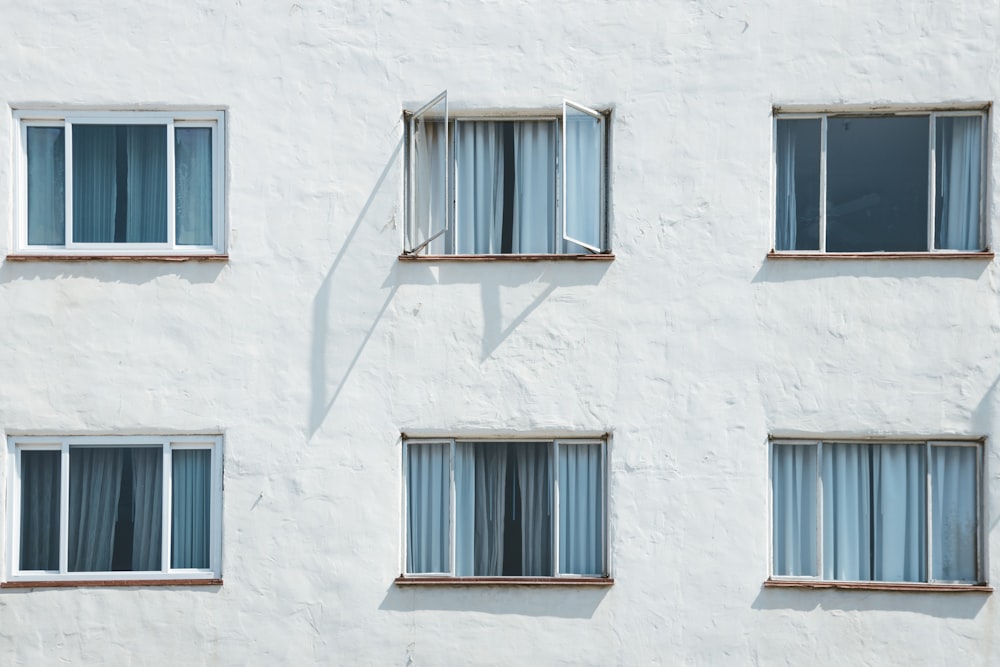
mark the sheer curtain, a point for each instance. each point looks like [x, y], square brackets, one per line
[959, 143]
[193, 185]
[536, 508]
[147, 512]
[95, 475]
[46, 186]
[40, 494]
[787, 224]
[490, 509]
[428, 513]
[582, 172]
[954, 513]
[793, 479]
[191, 508]
[95, 183]
[430, 195]
[534, 187]
[479, 166]
[581, 516]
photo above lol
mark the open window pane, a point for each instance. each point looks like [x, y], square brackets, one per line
[959, 163]
[798, 172]
[954, 482]
[46, 185]
[193, 185]
[119, 183]
[793, 496]
[877, 180]
[429, 175]
[41, 474]
[428, 523]
[583, 136]
[190, 535]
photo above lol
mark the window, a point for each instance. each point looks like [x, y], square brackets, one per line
[506, 509]
[877, 511]
[868, 183]
[99, 508]
[120, 183]
[511, 184]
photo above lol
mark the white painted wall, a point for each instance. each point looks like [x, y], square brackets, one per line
[312, 347]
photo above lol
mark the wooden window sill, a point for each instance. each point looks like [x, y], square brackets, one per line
[56, 257]
[504, 581]
[595, 257]
[976, 254]
[110, 583]
[880, 586]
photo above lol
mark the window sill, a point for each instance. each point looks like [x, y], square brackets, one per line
[84, 257]
[504, 581]
[110, 583]
[976, 254]
[879, 586]
[598, 257]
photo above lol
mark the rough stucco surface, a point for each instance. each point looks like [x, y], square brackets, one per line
[312, 348]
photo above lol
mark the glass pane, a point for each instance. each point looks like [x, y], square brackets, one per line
[877, 179]
[120, 183]
[40, 483]
[193, 185]
[582, 173]
[797, 206]
[581, 509]
[954, 497]
[46, 186]
[429, 177]
[959, 163]
[428, 515]
[793, 489]
[191, 509]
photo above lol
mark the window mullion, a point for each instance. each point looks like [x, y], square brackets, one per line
[931, 181]
[822, 184]
[64, 509]
[167, 505]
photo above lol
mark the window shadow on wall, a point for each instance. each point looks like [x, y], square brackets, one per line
[938, 605]
[790, 270]
[112, 271]
[557, 602]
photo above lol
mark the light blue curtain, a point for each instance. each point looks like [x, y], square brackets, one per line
[786, 224]
[490, 509]
[190, 537]
[430, 196]
[428, 530]
[465, 510]
[534, 480]
[846, 471]
[959, 142]
[479, 166]
[581, 519]
[95, 475]
[954, 493]
[534, 187]
[193, 185]
[793, 479]
[584, 136]
[147, 511]
[119, 183]
[46, 186]
[40, 494]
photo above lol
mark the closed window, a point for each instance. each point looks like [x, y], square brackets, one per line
[120, 183]
[92, 508]
[506, 184]
[886, 511]
[866, 183]
[506, 508]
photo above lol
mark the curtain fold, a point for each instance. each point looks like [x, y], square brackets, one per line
[846, 512]
[954, 513]
[146, 185]
[40, 494]
[899, 512]
[95, 183]
[193, 185]
[787, 224]
[490, 508]
[94, 486]
[793, 479]
[581, 516]
[427, 502]
[191, 511]
[479, 165]
[959, 159]
[536, 508]
[147, 512]
[46, 185]
[430, 196]
[534, 187]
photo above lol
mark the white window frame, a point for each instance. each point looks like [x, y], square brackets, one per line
[450, 226]
[553, 445]
[62, 444]
[932, 112]
[977, 443]
[65, 118]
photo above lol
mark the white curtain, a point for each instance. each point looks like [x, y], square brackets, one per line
[534, 187]
[479, 165]
[959, 165]
[430, 195]
[428, 509]
[533, 478]
[581, 516]
[582, 172]
[787, 224]
[40, 494]
[953, 513]
[46, 186]
[793, 479]
[193, 185]
[191, 508]
[95, 475]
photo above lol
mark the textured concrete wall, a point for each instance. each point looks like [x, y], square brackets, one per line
[313, 347]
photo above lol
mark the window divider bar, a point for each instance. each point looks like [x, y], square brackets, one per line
[822, 183]
[64, 508]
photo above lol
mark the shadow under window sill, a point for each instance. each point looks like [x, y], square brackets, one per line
[599, 257]
[909, 587]
[87, 257]
[503, 581]
[939, 254]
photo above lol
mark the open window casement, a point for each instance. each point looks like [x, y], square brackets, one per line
[583, 163]
[428, 217]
